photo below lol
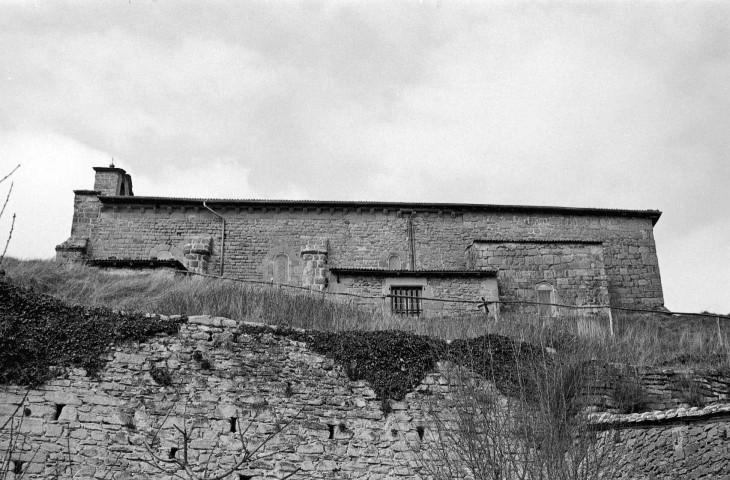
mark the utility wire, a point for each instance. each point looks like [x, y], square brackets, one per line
[456, 300]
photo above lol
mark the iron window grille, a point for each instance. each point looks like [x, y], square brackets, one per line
[406, 301]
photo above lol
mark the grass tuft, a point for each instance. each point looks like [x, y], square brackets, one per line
[640, 339]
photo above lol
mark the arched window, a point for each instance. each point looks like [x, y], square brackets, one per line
[545, 296]
[394, 262]
[281, 269]
[165, 255]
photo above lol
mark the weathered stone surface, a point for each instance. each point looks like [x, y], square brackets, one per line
[104, 422]
[587, 257]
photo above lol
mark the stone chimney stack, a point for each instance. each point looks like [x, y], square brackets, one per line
[112, 181]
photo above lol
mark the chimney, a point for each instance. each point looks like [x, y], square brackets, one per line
[112, 181]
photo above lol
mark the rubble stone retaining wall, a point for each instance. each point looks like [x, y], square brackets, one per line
[686, 448]
[81, 427]
[337, 430]
[85, 427]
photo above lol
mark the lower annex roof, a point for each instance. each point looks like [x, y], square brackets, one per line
[384, 272]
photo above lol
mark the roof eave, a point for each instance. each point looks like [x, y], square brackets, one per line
[422, 207]
[381, 272]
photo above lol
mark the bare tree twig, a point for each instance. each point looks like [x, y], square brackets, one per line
[8, 175]
[10, 235]
[249, 455]
[6, 199]
[16, 409]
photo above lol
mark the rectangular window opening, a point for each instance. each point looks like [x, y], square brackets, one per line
[406, 301]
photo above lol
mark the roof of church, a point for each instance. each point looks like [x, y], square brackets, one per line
[374, 205]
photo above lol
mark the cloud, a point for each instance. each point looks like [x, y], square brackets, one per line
[42, 194]
[609, 104]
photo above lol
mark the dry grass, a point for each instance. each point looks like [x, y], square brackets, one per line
[639, 339]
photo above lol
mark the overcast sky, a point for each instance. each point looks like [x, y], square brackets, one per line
[621, 105]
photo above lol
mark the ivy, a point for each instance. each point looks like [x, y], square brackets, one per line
[394, 362]
[41, 336]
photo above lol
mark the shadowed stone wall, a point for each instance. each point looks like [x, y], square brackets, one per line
[337, 428]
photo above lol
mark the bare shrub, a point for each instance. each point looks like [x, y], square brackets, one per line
[540, 430]
[629, 394]
[2, 211]
[179, 462]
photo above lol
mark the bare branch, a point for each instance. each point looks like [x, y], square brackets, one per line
[10, 235]
[159, 467]
[8, 175]
[292, 473]
[16, 409]
[6, 199]
[207, 462]
[163, 423]
[276, 432]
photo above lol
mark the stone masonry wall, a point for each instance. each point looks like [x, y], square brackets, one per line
[660, 388]
[470, 289]
[576, 271]
[337, 428]
[81, 427]
[693, 447]
[360, 237]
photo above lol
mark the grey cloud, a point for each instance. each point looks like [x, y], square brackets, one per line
[608, 104]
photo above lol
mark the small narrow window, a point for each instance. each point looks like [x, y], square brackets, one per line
[59, 411]
[406, 301]
[281, 269]
[545, 296]
[394, 262]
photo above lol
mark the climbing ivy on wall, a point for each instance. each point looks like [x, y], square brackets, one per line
[394, 362]
[41, 336]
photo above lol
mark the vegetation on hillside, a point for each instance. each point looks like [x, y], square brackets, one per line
[40, 336]
[533, 424]
[639, 339]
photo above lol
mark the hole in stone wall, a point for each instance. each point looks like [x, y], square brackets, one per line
[393, 432]
[172, 453]
[420, 430]
[26, 412]
[161, 375]
[59, 410]
[343, 427]
[18, 467]
[242, 476]
[233, 424]
[332, 431]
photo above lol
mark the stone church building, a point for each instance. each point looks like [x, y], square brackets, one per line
[411, 251]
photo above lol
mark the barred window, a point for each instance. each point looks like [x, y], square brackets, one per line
[406, 301]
